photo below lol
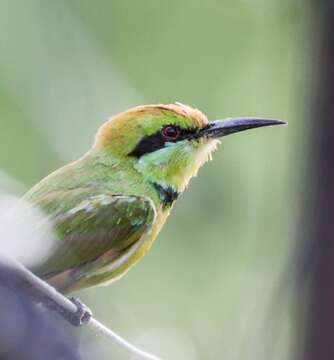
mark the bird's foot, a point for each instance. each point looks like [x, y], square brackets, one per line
[81, 316]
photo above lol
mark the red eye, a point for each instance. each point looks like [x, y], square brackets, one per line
[170, 132]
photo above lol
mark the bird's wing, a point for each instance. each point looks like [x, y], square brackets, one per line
[89, 224]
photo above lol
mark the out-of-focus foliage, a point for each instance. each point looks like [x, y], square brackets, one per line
[207, 288]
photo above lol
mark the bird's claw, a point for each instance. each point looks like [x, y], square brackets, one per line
[81, 316]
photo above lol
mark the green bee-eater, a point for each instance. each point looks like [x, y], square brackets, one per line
[108, 207]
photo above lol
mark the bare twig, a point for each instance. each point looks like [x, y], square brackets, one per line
[39, 291]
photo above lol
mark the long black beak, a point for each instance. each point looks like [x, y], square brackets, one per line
[219, 128]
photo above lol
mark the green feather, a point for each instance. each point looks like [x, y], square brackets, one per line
[107, 207]
[91, 225]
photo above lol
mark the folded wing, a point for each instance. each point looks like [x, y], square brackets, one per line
[90, 224]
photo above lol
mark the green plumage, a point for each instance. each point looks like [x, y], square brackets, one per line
[94, 229]
[108, 207]
[97, 219]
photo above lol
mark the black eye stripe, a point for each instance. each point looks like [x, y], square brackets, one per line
[157, 141]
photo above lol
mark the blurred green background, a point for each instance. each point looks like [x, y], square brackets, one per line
[208, 288]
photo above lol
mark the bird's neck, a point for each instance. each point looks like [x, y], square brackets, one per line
[165, 173]
[171, 168]
[169, 180]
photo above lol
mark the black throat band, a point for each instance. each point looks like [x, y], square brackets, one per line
[166, 194]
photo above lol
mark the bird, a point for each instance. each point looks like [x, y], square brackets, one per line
[108, 207]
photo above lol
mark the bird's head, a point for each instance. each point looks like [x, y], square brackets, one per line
[167, 144]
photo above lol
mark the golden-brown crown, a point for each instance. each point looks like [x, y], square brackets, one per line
[122, 131]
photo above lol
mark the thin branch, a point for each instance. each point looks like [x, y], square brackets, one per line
[99, 328]
[14, 274]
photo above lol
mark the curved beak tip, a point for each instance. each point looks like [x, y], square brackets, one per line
[278, 122]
